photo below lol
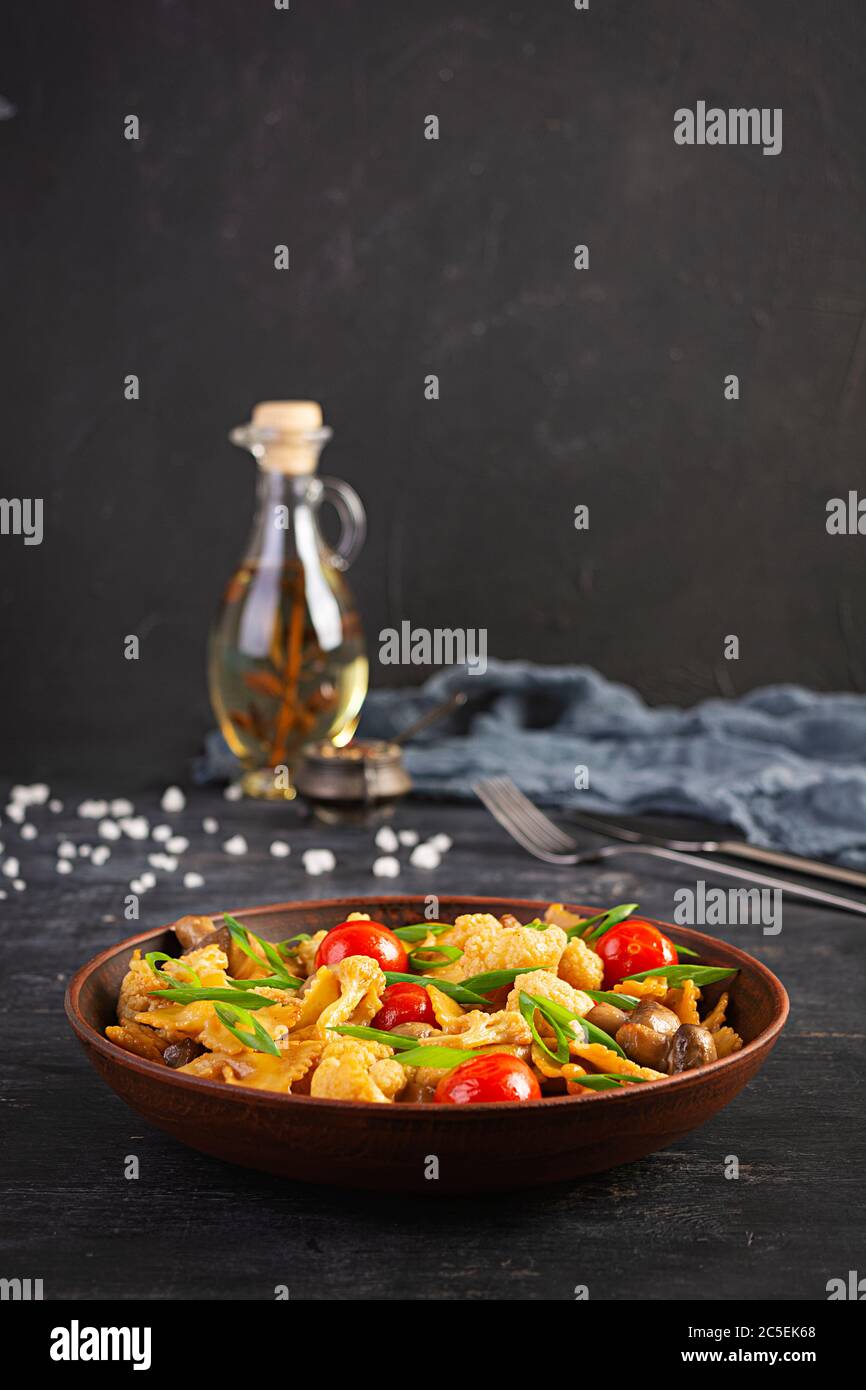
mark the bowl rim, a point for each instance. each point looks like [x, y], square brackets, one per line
[246, 1095]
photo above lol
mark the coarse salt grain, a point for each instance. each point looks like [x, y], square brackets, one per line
[318, 861]
[136, 827]
[85, 851]
[408, 837]
[173, 799]
[162, 861]
[109, 830]
[93, 810]
[121, 807]
[15, 813]
[19, 885]
[55, 806]
[236, 845]
[233, 792]
[210, 825]
[177, 844]
[441, 842]
[137, 886]
[100, 856]
[34, 795]
[64, 866]
[425, 857]
[147, 879]
[279, 849]
[386, 866]
[28, 831]
[193, 881]
[10, 867]
[66, 850]
[162, 833]
[386, 839]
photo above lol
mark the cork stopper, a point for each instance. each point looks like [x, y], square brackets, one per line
[285, 436]
[290, 417]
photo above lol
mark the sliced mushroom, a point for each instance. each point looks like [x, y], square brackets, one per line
[646, 1037]
[179, 1054]
[414, 1030]
[191, 931]
[692, 1046]
[608, 1018]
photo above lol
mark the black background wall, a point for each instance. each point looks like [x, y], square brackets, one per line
[408, 257]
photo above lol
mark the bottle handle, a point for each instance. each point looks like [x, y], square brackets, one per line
[353, 520]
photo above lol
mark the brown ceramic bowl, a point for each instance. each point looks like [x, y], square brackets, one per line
[357, 1144]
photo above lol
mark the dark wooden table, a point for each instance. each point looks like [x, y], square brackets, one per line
[669, 1227]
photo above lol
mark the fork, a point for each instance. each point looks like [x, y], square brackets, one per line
[537, 834]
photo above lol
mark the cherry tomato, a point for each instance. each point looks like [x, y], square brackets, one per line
[363, 938]
[496, 1076]
[633, 946]
[404, 1003]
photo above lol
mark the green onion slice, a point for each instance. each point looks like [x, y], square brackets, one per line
[418, 931]
[490, 980]
[685, 951]
[290, 946]
[271, 981]
[259, 1040]
[591, 1033]
[593, 927]
[425, 956]
[529, 1004]
[675, 974]
[191, 994]
[242, 936]
[445, 1057]
[605, 1081]
[395, 1040]
[408, 1050]
[153, 956]
[609, 996]
[597, 1035]
[458, 992]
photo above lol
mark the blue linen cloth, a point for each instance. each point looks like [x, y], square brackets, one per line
[786, 766]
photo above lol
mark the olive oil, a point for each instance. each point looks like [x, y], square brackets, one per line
[287, 660]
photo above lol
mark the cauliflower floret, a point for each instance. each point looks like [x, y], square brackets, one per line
[547, 986]
[468, 925]
[361, 984]
[477, 1029]
[135, 996]
[389, 1076]
[506, 949]
[580, 966]
[346, 1072]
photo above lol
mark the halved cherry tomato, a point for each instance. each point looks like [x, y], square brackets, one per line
[363, 938]
[633, 946]
[495, 1077]
[403, 1003]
